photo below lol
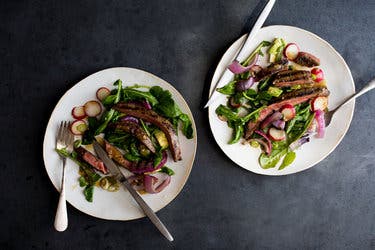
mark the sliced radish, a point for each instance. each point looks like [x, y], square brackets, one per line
[78, 127]
[318, 74]
[92, 108]
[277, 134]
[291, 51]
[288, 111]
[102, 93]
[79, 112]
[319, 103]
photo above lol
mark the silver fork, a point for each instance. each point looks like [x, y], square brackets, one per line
[328, 116]
[64, 139]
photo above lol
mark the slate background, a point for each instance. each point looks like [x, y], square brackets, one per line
[48, 46]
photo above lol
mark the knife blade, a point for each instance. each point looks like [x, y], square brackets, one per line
[227, 75]
[118, 175]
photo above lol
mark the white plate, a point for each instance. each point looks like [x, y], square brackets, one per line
[118, 205]
[340, 83]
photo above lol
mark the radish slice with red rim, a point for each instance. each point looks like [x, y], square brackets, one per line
[79, 112]
[317, 74]
[277, 134]
[319, 103]
[288, 111]
[291, 51]
[93, 108]
[102, 93]
[78, 127]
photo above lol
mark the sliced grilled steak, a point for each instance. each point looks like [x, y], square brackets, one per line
[304, 92]
[275, 67]
[136, 130]
[91, 159]
[306, 59]
[293, 98]
[154, 118]
[116, 155]
[288, 78]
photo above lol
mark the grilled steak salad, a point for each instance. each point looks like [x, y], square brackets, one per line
[277, 107]
[136, 125]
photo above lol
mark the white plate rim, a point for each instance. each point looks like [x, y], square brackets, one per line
[350, 105]
[190, 165]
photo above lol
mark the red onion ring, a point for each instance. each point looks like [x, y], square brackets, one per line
[270, 119]
[267, 139]
[147, 167]
[237, 68]
[319, 116]
[155, 185]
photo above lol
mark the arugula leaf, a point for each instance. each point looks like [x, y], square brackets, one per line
[89, 193]
[256, 51]
[228, 89]
[238, 133]
[167, 170]
[226, 112]
[106, 118]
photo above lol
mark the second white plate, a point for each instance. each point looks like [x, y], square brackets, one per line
[340, 83]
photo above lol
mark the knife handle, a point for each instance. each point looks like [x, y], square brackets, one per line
[147, 210]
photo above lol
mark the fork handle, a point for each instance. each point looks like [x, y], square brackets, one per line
[368, 87]
[61, 217]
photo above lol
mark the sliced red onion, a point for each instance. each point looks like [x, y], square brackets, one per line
[267, 139]
[270, 119]
[237, 68]
[137, 182]
[264, 144]
[319, 116]
[129, 119]
[147, 167]
[154, 184]
[280, 124]
[296, 144]
[245, 84]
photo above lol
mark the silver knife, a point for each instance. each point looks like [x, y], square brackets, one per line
[227, 75]
[115, 171]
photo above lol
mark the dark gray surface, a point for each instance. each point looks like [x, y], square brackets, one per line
[46, 47]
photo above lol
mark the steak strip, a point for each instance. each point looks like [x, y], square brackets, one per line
[159, 121]
[116, 155]
[136, 130]
[288, 78]
[91, 159]
[293, 98]
[307, 59]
